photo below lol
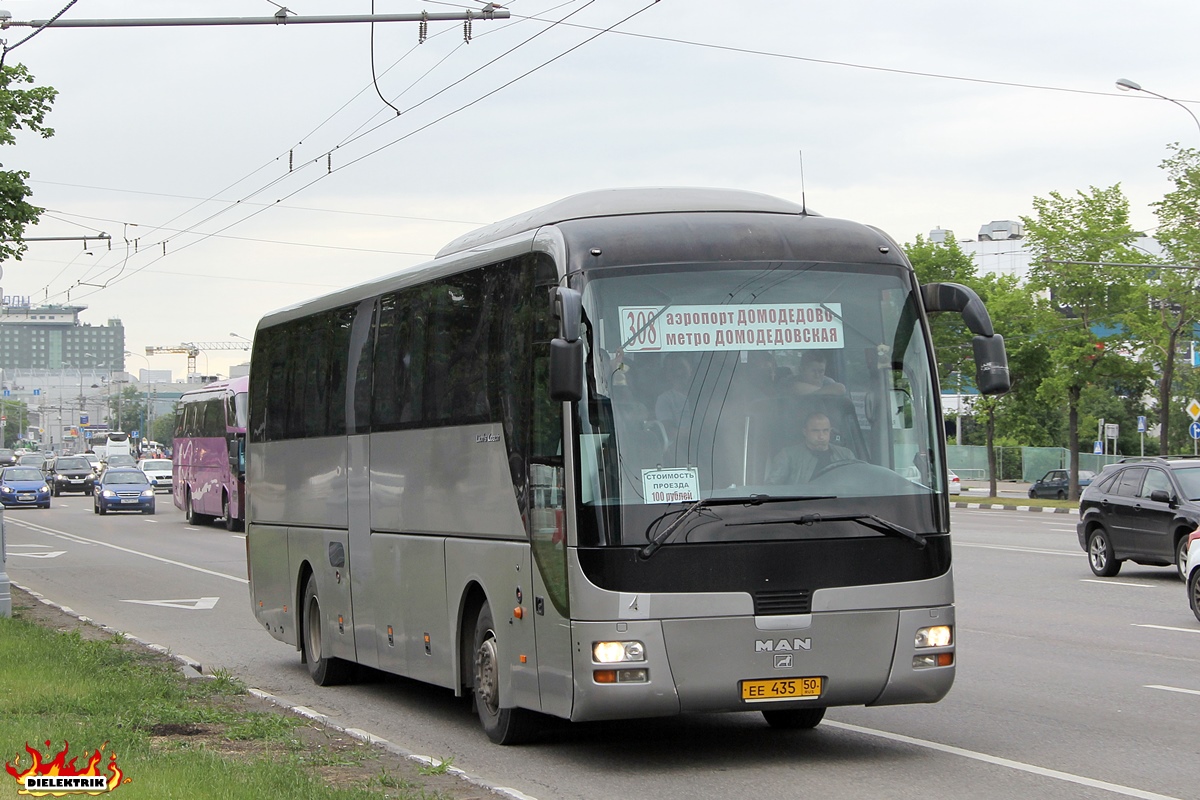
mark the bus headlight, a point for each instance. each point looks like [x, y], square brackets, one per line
[617, 652]
[934, 636]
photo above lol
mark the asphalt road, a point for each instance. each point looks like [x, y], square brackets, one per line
[1068, 686]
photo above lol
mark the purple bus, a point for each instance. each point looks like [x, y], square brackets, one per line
[209, 453]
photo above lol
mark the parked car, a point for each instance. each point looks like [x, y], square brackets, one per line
[1193, 572]
[8, 457]
[69, 474]
[158, 470]
[24, 486]
[1057, 483]
[123, 489]
[953, 482]
[1141, 510]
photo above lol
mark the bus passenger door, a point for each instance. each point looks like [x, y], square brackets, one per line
[551, 604]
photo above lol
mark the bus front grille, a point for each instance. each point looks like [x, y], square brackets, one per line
[783, 601]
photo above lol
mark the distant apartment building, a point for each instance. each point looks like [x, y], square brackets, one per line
[52, 337]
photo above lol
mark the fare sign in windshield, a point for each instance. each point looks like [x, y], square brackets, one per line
[791, 326]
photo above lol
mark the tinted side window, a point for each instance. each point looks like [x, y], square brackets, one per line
[1106, 483]
[1156, 480]
[1130, 481]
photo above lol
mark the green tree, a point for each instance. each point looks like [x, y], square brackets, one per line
[20, 109]
[936, 262]
[163, 429]
[1173, 307]
[1076, 241]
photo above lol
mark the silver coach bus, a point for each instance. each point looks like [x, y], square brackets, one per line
[635, 453]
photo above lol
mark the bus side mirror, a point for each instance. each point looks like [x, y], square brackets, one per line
[566, 350]
[566, 370]
[991, 360]
[991, 364]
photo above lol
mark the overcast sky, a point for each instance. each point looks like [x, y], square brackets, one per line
[910, 116]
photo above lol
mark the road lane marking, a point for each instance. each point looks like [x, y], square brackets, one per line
[1166, 628]
[1020, 766]
[84, 540]
[1016, 549]
[1171, 689]
[51, 554]
[1118, 583]
[194, 604]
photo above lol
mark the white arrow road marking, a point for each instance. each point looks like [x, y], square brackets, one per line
[196, 604]
[51, 554]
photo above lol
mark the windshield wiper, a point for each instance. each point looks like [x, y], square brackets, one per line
[866, 520]
[704, 502]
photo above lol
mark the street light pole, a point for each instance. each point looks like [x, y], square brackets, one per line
[1126, 85]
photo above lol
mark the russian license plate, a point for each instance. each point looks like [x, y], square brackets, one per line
[129, 500]
[781, 689]
[25, 498]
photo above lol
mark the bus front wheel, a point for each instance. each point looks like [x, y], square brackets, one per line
[502, 725]
[794, 719]
[324, 669]
[194, 517]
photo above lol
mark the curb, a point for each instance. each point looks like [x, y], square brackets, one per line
[193, 669]
[1004, 507]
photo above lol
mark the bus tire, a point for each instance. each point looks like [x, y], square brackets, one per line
[502, 725]
[194, 517]
[231, 523]
[325, 670]
[795, 719]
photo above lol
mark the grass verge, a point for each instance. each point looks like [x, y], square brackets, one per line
[1032, 502]
[69, 683]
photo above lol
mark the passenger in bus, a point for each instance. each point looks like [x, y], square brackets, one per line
[799, 462]
[811, 377]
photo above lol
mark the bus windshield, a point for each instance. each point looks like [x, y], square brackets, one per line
[805, 386]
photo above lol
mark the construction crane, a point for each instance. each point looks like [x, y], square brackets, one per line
[192, 349]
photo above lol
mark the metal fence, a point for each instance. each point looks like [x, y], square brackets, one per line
[1018, 463]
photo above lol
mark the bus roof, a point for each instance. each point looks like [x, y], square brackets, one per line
[647, 210]
[623, 202]
[237, 385]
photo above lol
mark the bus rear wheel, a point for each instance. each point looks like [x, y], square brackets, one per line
[231, 523]
[502, 725]
[324, 669]
[794, 719]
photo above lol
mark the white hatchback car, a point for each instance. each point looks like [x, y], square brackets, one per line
[158, 470]
[1192, 572]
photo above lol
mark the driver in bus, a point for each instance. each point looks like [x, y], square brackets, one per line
[799, 462]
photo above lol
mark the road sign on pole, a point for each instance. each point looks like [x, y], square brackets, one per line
[1193, 409]
[1194, 430]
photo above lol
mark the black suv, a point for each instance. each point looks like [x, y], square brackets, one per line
[69, 474]
[1141, 509]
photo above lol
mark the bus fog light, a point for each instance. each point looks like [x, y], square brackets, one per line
[621, 675]
[617, 652]
[935, 636]
[928, 660]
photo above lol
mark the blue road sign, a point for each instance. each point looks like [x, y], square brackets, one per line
[1194, 430]
[37, 392]
[1141, 424]
[7, 392]
[1098, 448]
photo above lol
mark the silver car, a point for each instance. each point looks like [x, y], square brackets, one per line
[158, 470]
